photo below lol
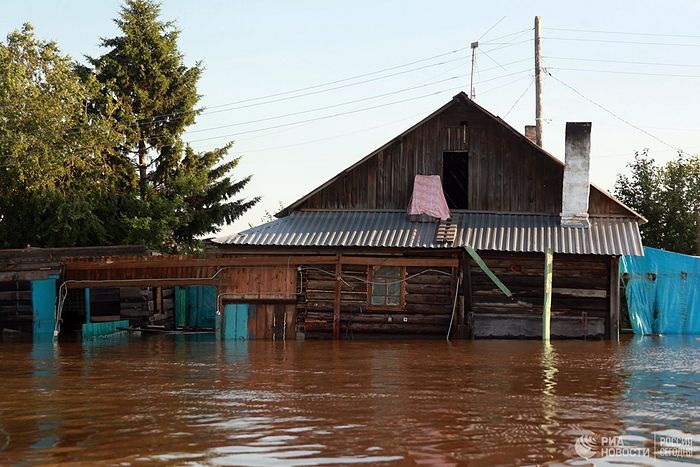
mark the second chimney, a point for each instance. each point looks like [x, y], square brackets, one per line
[531, 133]
[576, 186]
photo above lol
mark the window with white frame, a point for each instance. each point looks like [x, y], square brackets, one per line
[386, 286]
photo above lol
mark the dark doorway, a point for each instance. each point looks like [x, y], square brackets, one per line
[455, 177]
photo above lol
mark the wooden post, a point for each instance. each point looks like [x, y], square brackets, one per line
[614, 326]
[472, 94]
[159, 300]
[465, 330]
[538, 82]
[547, 308]
[87, 305]
[336, 304]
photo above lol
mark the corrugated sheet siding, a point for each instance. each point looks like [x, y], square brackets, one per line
[482, 231]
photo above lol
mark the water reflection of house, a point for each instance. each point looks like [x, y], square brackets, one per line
[348, 259]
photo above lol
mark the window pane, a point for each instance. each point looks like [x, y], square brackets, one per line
[388, 271]
[394, 290]
[377, 299]
[391, 300]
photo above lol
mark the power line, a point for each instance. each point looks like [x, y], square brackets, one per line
[301, 112]
[491, 28]
[321, 91]
[626, 33]
[324, 117]
[348, 112]
[173, 114]
[490, 58]
[509, 83]
[421, 82]
[641, 73]
[326, 90]
[332, 115]
[628, 62]
[306, 88]
[521, 32]
[610, 41]
[615, 115]
[207, 109]
[509, 45]
[338, 105]
[303, 143]
[156, 118]
[518, 99]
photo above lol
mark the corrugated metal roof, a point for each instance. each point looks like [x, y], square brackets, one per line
[482, 231]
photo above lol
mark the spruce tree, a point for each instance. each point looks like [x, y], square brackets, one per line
[182, 194]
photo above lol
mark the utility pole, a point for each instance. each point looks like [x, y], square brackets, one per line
[538, 81]
[472, 93]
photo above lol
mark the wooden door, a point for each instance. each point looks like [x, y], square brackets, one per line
[235, 322]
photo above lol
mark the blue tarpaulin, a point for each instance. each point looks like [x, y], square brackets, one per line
[663, 292]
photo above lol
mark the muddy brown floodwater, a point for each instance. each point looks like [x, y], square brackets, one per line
[193, 400]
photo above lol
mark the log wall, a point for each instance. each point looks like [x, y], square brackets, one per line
[580, 287]
[426, 308]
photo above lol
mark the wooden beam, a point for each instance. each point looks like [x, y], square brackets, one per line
[480, 262]
[258, 297]
[614, 322]
[174, 262]
[581, 293]
[547, 307]
[427, 262]
[111, 284]
[336, 303]
[246, 261]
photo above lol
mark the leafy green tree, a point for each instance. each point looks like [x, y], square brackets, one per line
[57, 167]
[183, 194]
[668, 196]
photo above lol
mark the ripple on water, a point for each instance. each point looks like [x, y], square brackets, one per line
[161, 400]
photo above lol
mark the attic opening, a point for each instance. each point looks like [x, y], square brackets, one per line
[455, 179]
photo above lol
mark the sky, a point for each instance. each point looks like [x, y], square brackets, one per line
[632, 68]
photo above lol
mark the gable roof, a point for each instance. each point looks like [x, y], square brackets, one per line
[459, 98]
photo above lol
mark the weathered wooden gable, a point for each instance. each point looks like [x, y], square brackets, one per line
[506, 172]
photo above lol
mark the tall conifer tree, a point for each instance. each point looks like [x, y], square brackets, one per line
[182, 194]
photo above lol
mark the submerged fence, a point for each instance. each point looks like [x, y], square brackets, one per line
[662, 291]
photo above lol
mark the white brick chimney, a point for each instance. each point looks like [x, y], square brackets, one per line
[576, 186]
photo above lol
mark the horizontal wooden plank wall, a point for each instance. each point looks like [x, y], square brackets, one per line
[580, 285]
[258, 283]
[506, 173]
[428, 304]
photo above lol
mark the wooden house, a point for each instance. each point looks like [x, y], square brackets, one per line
[363, 267]
[29, 283]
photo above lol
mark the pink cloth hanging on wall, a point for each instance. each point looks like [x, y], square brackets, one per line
[428, 197]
